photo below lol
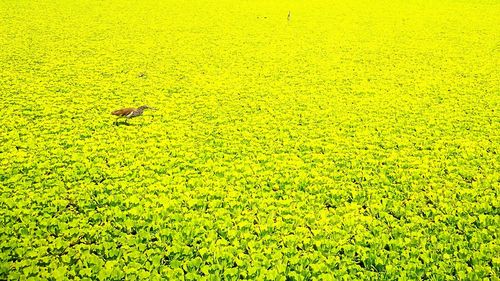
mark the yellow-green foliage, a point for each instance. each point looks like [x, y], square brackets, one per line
[357, 139]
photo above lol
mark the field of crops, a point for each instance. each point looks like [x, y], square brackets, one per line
[294, 140]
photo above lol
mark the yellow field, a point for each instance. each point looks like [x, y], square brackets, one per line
[351, 139]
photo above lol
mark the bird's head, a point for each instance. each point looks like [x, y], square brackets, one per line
[146, 107]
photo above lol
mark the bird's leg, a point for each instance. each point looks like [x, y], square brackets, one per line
[118, 118]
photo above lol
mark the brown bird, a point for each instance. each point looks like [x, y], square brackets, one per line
[130, 112]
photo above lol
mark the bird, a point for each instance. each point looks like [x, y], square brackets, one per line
[130, 112]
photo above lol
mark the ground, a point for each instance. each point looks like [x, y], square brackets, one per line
[355, 139]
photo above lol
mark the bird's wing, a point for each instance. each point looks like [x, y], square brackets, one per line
[123, 111]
